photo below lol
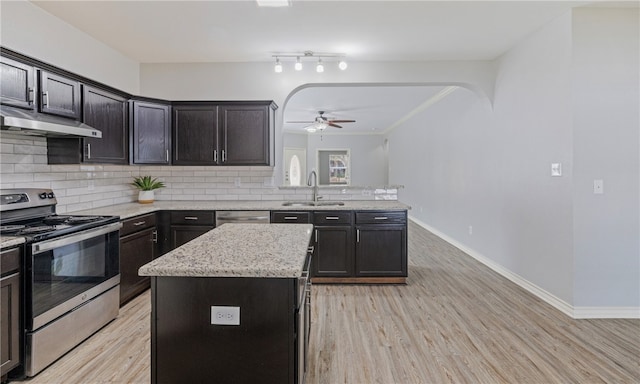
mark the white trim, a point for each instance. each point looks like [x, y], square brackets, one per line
[547, 297]
[606, 313]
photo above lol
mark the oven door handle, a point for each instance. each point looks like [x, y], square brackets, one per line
[74, 238]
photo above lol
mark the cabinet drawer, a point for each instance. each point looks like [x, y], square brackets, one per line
[291, 217]
[137, 223]
[332, 217]
[381, 217]
[193, 217]
[10, 260]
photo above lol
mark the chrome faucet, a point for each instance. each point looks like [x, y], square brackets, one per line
[313, 175]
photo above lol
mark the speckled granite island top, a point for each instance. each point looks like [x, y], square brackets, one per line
[238, 250]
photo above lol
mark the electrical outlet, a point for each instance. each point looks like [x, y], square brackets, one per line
[598, 187]
[224, 315]
[471, 229]
[556, 169]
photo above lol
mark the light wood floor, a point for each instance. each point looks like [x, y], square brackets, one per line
[455, 321]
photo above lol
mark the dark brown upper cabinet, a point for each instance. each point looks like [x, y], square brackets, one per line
[106, 112]
[223, 133]
[245, 134]
[18, 84]
[150, 133]
[59, 95]
[195, 134]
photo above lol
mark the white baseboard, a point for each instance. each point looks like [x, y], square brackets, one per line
[559, 304]
[606, 313]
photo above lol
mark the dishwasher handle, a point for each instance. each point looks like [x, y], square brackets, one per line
[243, 219]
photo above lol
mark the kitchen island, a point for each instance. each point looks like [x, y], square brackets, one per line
[232, 306]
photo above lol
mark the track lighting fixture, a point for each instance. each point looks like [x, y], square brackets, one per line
[278, 66]
[300, 56]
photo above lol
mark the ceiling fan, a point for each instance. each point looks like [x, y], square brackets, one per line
[321, 122]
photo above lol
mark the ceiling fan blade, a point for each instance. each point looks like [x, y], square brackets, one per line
[333, 125]
[300, 122]
[342, 121]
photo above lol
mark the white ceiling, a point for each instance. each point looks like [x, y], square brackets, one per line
[240, 31]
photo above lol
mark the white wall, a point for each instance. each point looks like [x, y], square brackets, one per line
[567, 94]
[31, 31]
[606, 146]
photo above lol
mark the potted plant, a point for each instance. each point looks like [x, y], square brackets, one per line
[146, 185]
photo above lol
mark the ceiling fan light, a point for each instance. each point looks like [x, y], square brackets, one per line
[298, 65]
[342, 65]
[320, 66]
[310, 129]
[278, 66]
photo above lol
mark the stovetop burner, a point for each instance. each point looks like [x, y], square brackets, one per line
[31, 213]
[65, 219]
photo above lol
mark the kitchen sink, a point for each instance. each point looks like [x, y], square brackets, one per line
[312, 204]
[298, 204]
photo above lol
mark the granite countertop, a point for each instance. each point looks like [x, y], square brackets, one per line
[11, 241]
[238, 250]
[134, 209]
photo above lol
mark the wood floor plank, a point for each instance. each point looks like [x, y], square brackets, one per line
[456, 321]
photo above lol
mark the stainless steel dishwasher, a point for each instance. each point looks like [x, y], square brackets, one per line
[255, 217]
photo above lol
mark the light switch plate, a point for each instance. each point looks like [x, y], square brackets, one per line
[556, 169]
[225, 315]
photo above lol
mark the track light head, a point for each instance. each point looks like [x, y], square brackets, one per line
[278, 66]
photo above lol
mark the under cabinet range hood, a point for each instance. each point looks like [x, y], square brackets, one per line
[39, 124]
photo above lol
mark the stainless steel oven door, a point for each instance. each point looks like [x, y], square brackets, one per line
[70, 270]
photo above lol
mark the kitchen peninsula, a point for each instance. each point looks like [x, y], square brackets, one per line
[232, 306]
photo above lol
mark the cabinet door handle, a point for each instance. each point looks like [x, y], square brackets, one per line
[290, 218]
[310, 249]
[139, 223]
[167, 152]
[380, 218]
[316, 236]
[224, 156]
[215, 155]
[155, 236]
[88, 151]
[331, 218]
[191, 217]
[30, 96]
[46, 98]
[357, 235]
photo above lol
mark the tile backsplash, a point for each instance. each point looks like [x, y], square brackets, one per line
[23, 164]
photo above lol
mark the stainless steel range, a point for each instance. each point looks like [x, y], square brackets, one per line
[71, 269]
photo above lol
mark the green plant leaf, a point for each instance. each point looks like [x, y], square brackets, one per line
[147, 183]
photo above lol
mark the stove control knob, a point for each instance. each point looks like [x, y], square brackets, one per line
[42, 195]
[51, 195]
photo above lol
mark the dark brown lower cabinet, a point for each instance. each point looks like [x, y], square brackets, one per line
[381, 250]
[187, 348]
[187, 225]
[333, 254]
[138, 246]
[381, 244]
[182, 234]
[136, 250]
[333, 244]
[10, 311]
